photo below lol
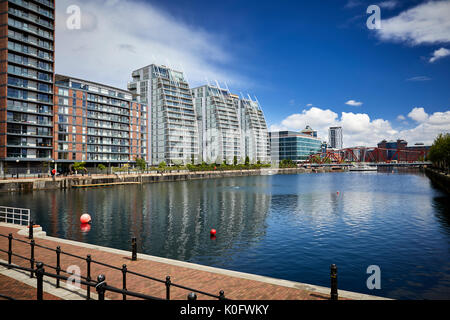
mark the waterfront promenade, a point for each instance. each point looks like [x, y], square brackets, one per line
[68, 182]
[236, 285]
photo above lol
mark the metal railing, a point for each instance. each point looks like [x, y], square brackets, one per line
[18, 216]
[101, 285]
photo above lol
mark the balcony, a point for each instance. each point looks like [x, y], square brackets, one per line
[35, 8]
[23, 15]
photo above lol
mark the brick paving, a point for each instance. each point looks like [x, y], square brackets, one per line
[20, 291]
[210, 282]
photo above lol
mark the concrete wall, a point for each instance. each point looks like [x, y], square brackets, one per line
[439, 178]
[69, 182]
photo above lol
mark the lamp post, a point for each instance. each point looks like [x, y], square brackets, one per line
[17, 168]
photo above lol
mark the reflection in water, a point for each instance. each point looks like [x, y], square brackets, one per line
[169, 219]
[284, 226]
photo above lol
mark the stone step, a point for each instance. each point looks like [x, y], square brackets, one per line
[37, 232]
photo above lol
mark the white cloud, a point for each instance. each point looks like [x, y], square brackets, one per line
[314, 117]
[419, 78]
[360, 130]
[353, 3]
[427, 23]
[354, 103]
[418, 115]
[401, 118]
[117, 37]
[390, 4]
[440, 53]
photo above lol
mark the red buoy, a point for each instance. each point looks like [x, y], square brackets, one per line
[213, 232]
[85, 218]
[85, 227]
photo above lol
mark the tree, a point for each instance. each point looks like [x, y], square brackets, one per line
[439, 152]
[101, 167]
[162, 165]
[141, 164]
[79, 166]
[235, 161]
[247, 160]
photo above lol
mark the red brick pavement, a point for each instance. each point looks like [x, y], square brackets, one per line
[19, 290]
[234, 287]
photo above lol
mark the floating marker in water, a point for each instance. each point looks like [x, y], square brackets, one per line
[85, 227]
[213, 232]
[85, 218]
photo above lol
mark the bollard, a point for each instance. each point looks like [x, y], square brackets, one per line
[168, 283]
[40, 280]
[10, 237]
[30, 230]
[88, 276]
[58, 264]
[124, 280]
[32, 257]
[192, 296]
[133, 249]
[100, 287]
[333, 275]
[221, 295]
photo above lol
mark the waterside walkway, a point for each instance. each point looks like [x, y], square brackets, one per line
[236, 285]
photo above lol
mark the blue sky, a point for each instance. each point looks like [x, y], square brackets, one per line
[303, 60]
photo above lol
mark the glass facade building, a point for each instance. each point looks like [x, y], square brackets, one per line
[335, 138]
[173, 127]
[295, 146]
[26, 82]
[218, 124]
[255, 135]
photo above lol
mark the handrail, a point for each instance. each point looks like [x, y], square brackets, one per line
[40, 273]
[6, 297]
[10, 214]
[87, 278]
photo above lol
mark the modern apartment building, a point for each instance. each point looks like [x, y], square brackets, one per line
[295, 146]
[26, 83]
[172, 117]
[335, 137]
[97, 123]
[255, 135]
[219, 124]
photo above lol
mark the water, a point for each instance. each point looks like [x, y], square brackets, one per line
[284, 226]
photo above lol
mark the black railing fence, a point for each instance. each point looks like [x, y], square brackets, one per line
[37, 269]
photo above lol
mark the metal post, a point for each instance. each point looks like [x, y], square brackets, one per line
[133, 249]
[32, 257]
[100, 287]
[192, 296]
[10, 237]
[168, 283]
[88, 276]
[124, 280]
[221, 295]
[30, 230]
[334, 290]
[58, 264]
[40, 280]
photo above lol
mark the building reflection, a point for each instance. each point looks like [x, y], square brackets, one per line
[182, 214]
